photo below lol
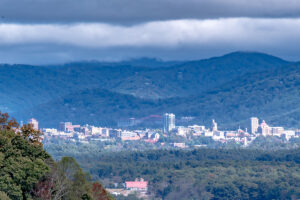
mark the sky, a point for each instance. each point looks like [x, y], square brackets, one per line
[58, 31]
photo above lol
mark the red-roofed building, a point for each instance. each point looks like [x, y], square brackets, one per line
[140, 185]
[152, 141]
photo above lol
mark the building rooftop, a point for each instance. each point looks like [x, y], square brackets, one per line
[137, 184]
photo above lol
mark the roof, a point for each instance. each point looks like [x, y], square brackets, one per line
[136, 184]
[151, 141]
[230, 135]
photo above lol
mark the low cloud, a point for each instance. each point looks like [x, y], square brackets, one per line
[240, 32]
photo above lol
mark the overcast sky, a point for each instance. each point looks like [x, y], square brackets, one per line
[56, 31]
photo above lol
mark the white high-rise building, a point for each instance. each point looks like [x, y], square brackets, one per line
[254, 124]
[214, 125]
[169, 122]
[34, 123]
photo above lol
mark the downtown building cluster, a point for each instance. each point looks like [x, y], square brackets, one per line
[87, 133]
[241, 136]
[244, 137]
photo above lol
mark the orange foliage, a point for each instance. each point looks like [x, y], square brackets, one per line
[99, 193]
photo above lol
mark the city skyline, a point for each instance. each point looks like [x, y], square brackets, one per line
[164, 137]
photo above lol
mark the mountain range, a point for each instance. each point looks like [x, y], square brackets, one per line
[231, 89]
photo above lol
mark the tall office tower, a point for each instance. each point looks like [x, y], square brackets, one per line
[214, 126]
[65, 126]
[254, 124]
[34, 123]
[62, 126]
[169, 122]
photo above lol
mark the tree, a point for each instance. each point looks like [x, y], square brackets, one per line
[43, 189]
[31, 134]
[7, 123]
[26, 131]
[22, 165]
[27, 171]
[99, 193]
[66, 180]
[78, 180]
[3, 196]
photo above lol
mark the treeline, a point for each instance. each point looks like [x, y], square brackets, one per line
[204, 173]
[28, 172]
[90, 151]
[59, 148]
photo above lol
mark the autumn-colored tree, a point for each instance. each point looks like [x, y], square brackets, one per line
[7, 123]
[43, 189]
[32, 135]
[99, 193]
[26, 131]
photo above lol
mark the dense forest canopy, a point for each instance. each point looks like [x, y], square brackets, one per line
[200, 174]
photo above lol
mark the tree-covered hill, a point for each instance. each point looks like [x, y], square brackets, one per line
[194, 77]
[273, 95]
[27, 86]
[230, 89]
[90, 106]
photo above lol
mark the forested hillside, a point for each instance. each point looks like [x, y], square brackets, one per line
[273, 95]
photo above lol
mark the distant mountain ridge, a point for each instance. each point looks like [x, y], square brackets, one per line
[92, 92]
[135, 62]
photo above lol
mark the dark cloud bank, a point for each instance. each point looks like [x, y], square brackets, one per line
[134, 11]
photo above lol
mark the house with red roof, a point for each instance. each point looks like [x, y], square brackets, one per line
[137, 185]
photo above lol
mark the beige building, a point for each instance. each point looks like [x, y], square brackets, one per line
[34, 123]
[265, 129]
